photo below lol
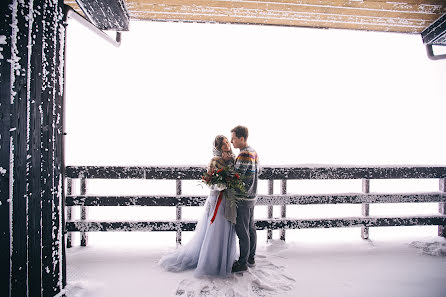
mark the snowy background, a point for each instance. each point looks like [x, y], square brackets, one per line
[308, 96]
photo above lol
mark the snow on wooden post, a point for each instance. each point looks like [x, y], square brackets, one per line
[269, 233]
[365, 207]
[51, 78]
[31, 92]
[178, 211]
[69, 211]
[21, 180]
[18, 173]
[84, 211]
[283, 209]
[442, 208]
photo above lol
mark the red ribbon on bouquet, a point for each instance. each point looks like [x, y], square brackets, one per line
[220, 197]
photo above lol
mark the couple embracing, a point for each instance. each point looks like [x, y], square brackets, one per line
[212, 250]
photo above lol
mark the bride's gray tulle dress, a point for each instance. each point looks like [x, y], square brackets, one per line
[212, 250]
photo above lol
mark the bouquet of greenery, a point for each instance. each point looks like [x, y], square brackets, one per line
[229, 183]
[225, 179]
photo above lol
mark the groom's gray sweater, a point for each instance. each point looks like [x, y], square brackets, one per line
[247, 165]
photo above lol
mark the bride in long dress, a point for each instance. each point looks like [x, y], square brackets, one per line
[212, 250]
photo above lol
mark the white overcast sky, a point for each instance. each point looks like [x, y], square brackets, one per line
[307, 95]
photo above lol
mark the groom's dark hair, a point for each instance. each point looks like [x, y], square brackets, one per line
[240, 131]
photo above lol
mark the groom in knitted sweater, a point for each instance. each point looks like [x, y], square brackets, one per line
[247, 165]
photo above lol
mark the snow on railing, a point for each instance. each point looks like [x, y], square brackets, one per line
[270, 173]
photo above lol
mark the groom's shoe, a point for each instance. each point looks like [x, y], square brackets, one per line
[251, 262]
[236, 268]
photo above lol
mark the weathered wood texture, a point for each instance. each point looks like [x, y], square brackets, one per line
[261, 224]
[365, 207]
[106, 14]
[191, 200]
[435, 34]
[442, 207]
[269, 232]
[407, 16]
[5, 147]
[115, 172]
[84, 212]
[34, 164]
[31, 63]
[20, 176]
[69, 210]
[343, 172]
[51, 147]
[283, 207]
[178, 210]
[269, 172]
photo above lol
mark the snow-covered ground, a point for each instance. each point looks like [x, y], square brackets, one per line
[405, 261]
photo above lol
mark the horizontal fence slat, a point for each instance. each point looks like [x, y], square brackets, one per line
[166, 200]
[347, 172]
[152, 172]
[267, 172]
[350, 198]
[87, 226]
[131, 226]
[351, 222]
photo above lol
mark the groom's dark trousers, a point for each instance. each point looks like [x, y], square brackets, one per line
[246, 232]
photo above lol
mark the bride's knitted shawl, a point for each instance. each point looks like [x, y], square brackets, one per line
[218, 162]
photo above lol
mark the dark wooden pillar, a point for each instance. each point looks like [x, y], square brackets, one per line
[5, 107]
[32, 72]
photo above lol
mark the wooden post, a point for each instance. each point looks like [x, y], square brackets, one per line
[84, 211]
[6, 110]
[442, 208]
[178, 212]
[35, 202]
[365, 207]
[69, 211]
[19, 126]
[269, 234]
[61, 132]
[283, 209]
[31, 68]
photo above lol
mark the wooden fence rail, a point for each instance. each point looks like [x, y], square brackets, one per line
[365, 198]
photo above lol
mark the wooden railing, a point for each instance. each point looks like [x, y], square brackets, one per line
[270, 173]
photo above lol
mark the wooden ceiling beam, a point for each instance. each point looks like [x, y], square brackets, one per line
[315, 5]
[406, 16]
[370, 26]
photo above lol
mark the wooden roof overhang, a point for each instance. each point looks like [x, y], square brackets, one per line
[404, 16]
